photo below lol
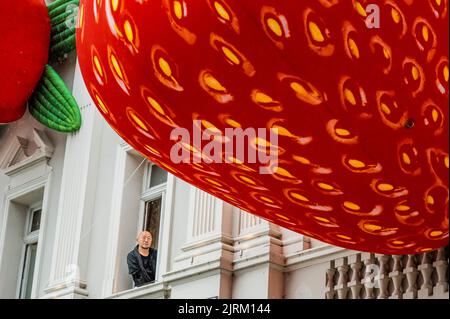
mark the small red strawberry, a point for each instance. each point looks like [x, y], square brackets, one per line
[361, 113]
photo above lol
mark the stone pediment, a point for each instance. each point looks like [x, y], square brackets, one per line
[21, 152]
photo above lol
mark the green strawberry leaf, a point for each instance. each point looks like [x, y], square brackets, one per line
[53, 105]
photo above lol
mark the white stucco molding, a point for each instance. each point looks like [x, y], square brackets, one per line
[313, 256]
[22, 153]
[25, 162]
[68, 268]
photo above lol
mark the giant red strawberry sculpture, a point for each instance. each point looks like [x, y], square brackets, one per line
[360, 113]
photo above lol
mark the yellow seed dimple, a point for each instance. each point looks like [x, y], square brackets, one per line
[395, 15]
[116, 67]
[101, 104]
[435, 115]
[322, 219]
[247, 180]
[325, 186]
[315, 31]
[350, 97]
[213, 182]
[298, 88]
[352, 206]
[386, 53]
[262, 98]
[342, 132]
[398, 242]
[233, 123]
[360, 9]
[436, 233]
[138, 121]
[425, 33]
[438, 2]
[344, 237]
[446, 161]
[280, 130]
[302, 159]
[155, 105]
[353, 48]
[356, 163]
[151, 149]
[213, 83]
[178, 9]
[384, 187]
[275, 27]
[165, 67]
[406, 159]
[115, 4]
[128, 31]
[372, 227]
[223, 13]
[446, 73]
[283, 172]
[231, 55]
[81, 18]
[98, 66]
[385, 109]
[266, 199]
[300, 197]
[403, 208]
[430, 200]
[415, 72]
[209, 126]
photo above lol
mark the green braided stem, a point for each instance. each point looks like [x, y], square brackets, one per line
[53, 105]
[57, 3]
[58, 51]
[62, 18]
[61, 36]
[61, 8]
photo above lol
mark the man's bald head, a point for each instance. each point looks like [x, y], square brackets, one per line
[144, 239]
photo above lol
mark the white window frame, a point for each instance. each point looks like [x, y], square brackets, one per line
[29, 239]
[122, 152]
[148, 194]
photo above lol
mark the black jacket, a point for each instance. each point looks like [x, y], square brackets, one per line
[142, 274]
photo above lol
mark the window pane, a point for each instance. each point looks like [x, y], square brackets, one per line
[158, 176]
[27, 278]
[36, 220]
[152, 217]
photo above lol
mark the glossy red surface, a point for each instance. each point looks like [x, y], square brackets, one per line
[361, 113]
[24, 46]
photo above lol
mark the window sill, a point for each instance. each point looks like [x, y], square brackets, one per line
[156, 290]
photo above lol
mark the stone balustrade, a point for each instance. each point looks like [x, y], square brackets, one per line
[373, 276]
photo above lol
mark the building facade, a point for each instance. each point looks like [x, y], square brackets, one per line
[71, 207]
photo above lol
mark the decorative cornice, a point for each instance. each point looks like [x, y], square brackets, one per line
[17, 156]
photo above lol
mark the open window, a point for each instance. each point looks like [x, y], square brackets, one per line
[21, 239]
[141, 201]
[153, 196]
[30, 245]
